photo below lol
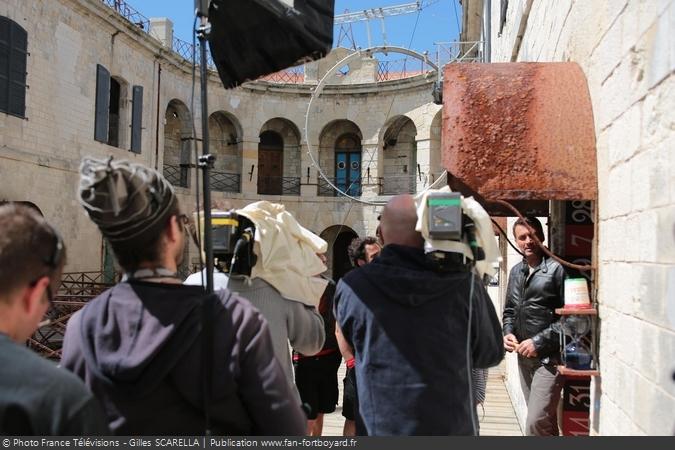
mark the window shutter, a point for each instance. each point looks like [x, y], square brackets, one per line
[5, 31]
[102, 104]
[13, 54]
[136, 119]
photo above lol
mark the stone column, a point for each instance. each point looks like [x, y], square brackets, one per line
[249, 161]
[308, 188]
[425, 163]
[370, 173]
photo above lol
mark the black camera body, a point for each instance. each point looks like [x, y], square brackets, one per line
[233, 236]
[446, 221]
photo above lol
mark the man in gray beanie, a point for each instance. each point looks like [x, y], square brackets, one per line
[140, 347]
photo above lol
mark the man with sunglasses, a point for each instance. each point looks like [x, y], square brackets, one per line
[165, 358]
[36, 397]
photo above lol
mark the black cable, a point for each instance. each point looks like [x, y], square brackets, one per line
[469, 360]
[414, 29]
[207, 303]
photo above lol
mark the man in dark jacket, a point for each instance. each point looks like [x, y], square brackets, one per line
[140, 345]
[36, 397]
[408, 323]
[536, 287]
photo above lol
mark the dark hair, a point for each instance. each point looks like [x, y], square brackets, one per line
[30, 248]
[130, 254]
[534, 223]
[357, 248]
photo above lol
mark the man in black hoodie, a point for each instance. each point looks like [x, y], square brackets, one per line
[139, 346]
[408, 324]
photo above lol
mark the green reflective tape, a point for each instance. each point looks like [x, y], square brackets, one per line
[445, 201]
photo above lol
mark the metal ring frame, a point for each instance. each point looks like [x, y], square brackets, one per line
[324, 81]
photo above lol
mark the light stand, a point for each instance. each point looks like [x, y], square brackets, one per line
[205, 162]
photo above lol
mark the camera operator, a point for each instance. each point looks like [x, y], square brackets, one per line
[408, 323]
[141, 345]
[275, 270]
[293, 320]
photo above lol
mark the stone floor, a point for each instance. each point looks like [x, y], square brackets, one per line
[497, 418]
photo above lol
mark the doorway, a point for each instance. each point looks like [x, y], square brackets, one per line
[348, 165]
[270, 163]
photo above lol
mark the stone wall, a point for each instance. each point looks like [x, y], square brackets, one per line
[40, 155]
[627, 51]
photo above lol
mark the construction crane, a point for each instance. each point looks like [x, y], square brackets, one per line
[380, 13]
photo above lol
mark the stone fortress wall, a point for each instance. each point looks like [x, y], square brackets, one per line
[393, 124]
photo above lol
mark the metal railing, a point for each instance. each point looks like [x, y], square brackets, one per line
[279, 185]
[77, 288]
[460, 51]
[184, 50]
[401, 68]
[290, 186]
[326, 190]
[225, 181]
[292, 75]
[397, 184]
[129, 12]
[176, 175]
[83, 283]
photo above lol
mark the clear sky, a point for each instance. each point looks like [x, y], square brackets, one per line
[437, 22]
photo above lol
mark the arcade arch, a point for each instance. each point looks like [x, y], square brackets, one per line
[226, 144]
[338, 237]
[399, 157]
[177, 143]
[340, 157]
[279, 161]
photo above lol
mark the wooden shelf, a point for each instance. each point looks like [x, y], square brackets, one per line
[562, 370]
[576, 311]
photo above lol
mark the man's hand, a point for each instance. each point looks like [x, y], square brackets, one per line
[510, 342]
[526, 348]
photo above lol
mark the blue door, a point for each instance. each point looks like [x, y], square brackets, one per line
[348, 172]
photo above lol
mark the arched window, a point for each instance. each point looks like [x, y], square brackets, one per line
[13, 52]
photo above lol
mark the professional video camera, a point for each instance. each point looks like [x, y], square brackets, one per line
[233, 242]
[446, 221]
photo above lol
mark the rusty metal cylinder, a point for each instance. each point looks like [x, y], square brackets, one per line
[519, 131]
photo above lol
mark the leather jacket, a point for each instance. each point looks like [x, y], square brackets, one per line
[530, 305]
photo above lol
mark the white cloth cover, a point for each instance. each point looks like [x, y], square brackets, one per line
[286, 253]
[220, 279]
[484, 233]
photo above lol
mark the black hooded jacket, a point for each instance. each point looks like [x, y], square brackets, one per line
[408, 326]
[139, 348]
